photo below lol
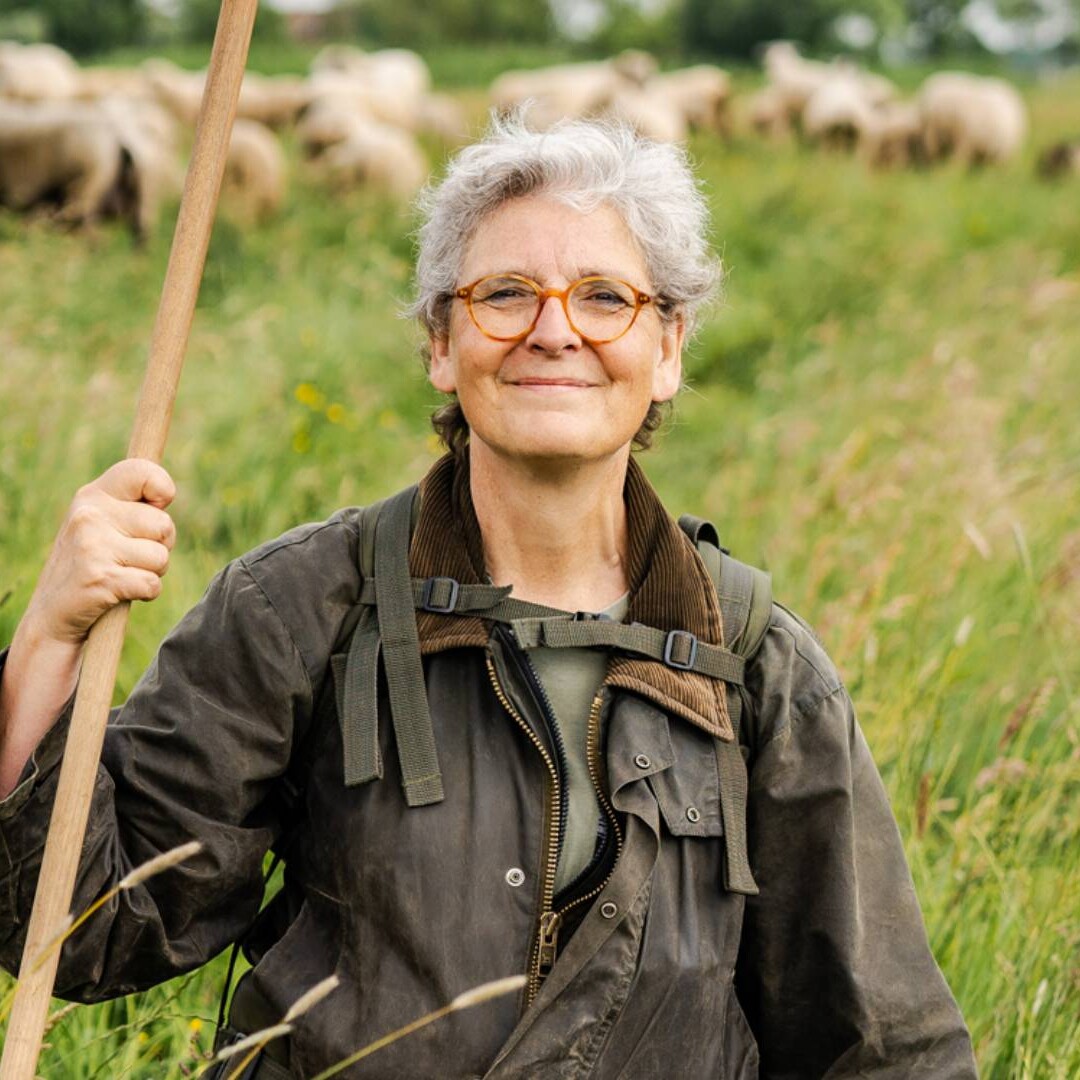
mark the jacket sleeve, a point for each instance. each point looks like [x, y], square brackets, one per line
[835, 972]
[192, 754]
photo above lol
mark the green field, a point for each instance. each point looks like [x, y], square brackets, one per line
[883, 411]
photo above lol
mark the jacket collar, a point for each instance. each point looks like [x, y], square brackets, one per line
[670, 588]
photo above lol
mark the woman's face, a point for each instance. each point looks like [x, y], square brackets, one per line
[551, 395]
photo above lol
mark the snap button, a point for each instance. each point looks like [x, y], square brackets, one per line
[609, 910]
[642, 762]
[693, 814]
[515, 877]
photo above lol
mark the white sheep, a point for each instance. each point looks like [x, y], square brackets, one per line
[255, 171]
[648, 113]
[376, 156]
[65, 152]
[836, 112]
[971, 119]
[702, 94]
[892, 136]
[37, 73]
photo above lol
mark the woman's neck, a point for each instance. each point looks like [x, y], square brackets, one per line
[556, 532]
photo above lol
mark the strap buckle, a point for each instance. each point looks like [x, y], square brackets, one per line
[430, 585]
[670, 643]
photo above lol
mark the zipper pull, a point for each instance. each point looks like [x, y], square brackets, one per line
[549, 940]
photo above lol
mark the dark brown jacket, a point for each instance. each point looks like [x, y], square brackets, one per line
[660, 972]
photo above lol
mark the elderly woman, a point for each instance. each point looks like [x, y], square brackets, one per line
[502, 723]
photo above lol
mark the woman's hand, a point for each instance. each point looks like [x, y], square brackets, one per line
[113, 545]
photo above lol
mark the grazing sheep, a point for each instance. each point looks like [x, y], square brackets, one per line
[971, 119]
[836, 112]
[767, 113]
[178, 90]
[64, 154]
[37, 73]
[793, 78]
[701, 93]
[1061, 159]
[648, 113]
[254, 182]
[442, 116]
[100, 82]
[376, 156]
[150, 140]
[274, 101]
[892, 136]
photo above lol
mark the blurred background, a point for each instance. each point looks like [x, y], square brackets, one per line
[882, 409]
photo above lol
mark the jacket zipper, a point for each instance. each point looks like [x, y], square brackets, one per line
[592, 756]
[544, 948]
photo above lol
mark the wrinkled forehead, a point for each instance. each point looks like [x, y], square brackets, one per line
[553, 242]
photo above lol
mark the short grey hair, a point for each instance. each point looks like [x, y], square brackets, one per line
[585, 164]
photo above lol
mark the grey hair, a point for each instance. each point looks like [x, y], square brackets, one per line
[586, 164]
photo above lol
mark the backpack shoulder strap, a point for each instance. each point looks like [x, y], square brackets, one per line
[745, 595]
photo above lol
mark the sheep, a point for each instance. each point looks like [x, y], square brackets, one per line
[442, 116]
[701, 93]
[560, 91]
[971, 119]
[767, 113]
[400, 71]
[794, 78]
[272, 101]
[649, 114]
[836, 112]
[37, 73]
[373, 99]
[254, 181]
[149, 138]
[1061, 159]
[892, 136]
[63, 153]
[100, 82]
[378, 156]
[178, 90]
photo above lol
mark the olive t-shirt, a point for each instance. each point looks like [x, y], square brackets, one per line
[571, 679]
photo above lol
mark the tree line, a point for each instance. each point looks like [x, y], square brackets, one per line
[679, 30]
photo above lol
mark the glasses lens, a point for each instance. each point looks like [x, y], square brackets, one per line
[602, 309]
[504, 306]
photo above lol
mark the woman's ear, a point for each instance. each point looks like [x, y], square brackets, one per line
[667, 375]
[441, 368]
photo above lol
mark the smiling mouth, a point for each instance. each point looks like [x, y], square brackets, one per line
[551, 384]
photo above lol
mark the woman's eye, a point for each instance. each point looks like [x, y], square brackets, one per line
[605, 298]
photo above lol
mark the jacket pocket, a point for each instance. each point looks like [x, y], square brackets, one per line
[688, 793]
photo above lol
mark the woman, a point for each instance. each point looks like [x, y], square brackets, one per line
[558, 812]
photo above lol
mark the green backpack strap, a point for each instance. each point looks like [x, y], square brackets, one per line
[390, 629]
[745, 596]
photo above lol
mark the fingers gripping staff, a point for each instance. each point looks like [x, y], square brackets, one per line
[22, 1044]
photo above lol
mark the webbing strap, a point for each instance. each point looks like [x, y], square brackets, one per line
[677, 648]
[735, 583]
[445, 595]
[733, 784]
[358, 703]
[401, 654]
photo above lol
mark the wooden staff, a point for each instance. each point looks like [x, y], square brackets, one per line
[22, 1045]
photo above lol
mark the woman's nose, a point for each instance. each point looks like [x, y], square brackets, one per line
[553, 332]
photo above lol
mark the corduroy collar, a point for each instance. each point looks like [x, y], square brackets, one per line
[670, 588]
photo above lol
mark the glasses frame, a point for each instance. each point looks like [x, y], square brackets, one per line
[543, 295]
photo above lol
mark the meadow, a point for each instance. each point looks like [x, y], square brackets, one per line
[882, 411]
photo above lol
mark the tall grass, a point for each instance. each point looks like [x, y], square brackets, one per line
[882, 412]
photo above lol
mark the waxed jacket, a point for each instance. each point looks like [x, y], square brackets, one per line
[233, 737]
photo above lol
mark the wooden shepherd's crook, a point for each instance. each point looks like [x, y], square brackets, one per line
[22, 1045]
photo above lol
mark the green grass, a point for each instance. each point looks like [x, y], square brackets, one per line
[882, 411]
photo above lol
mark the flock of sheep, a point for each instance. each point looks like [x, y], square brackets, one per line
[94, 142]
